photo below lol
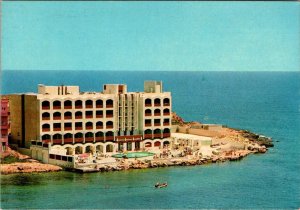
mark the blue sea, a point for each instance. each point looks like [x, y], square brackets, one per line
[267, 103]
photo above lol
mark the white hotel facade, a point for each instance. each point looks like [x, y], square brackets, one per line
[73, 122]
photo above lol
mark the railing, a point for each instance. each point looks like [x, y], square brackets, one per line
[157, 104]
[57, 118]
[68, 107]
[99, 127]
[89, 127]
[99, 116]
[148, 136]
[45, 107]
[78, 117]
[89, 116]
[88, 106]
[166, 113]
[45, 118]
[57, 129]
[89, 139]
[147, 114]
[57, 141]
[68, 140]
[99, 138]
[156, 114]
[80, 139]
[166, 123]
[148, 105]
[56, 107]
[109, 106]
[109, 115]
[109, 138]
[132, 137]
[156, 124]
[78, 128]
[68, 128]
[166, 104]
[148, 125]
[68, 117]
[109, 126]
[99, 106]
[157, 135]
[78, 106]
[45, 129]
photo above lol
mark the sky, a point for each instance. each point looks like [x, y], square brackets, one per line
[149, 36]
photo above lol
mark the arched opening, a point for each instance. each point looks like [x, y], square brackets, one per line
[166, 111]
[99, 125]
[99, 136]
[46, 137]
[157, 102]
[57, 138]
[88, 114]
[157, 144]
[90, 149]
[99, 114]
[78, 115]
[78, 126]
[148, 144]
[148, 102]
[109, 136]
[89, 104]
[68, 138]
[78, 104]
[109, 113]
[109, 148]
[78, 137]
[166, 122]
[166, 133]
[148, 123]
[45, 127]
[56, 116]
[56, 105]
[109, 103]
[68, 104]
[89, 126]
[99, 148]
[68, 115]
[56, 126]
[166, 102]
[46, 116]
[166, 143]
[109, 124]
[148, 112]
[156, 122]
[157, 133]
[69, 151]
[148, 134]
[157, 112]
[89, 137]
[45, 105]
[99, 104]
[68, 126]
[78, 150]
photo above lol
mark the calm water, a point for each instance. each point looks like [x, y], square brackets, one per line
[267, 103]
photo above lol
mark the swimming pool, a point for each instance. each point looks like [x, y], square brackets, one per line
[133, 154]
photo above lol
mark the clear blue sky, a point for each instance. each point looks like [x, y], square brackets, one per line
[196, 36]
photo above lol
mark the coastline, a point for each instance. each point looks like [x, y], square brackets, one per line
[231, 145]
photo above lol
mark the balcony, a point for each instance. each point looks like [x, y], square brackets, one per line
[109, 138]
[128, 138]
[89, 139]
[166, 135]
[45, 129]
[68, 128]
[166, 123]
[68, 107]
[156, 114]
[99, 106]
[68, 117]
[45, 107]
[157, 135]
[99, 116]
[166, 104]
[78, 128]
[79, 140]
[56, 107]
[109, 106]
[148, 105]
[166, 113]
[156, 104]
[56, 129]
[78, 117]
[99, 127]
[3, 126]
[78, 107]
[156, 124]
[45, 118]
[109, 126]
[109, 116]
[148, 136]
[147, 114]
[68, 140]
[88, 106]
[148, 125]
[89, 127]
[89, 116]
[57, 141]
[99, 138]
[56, 118]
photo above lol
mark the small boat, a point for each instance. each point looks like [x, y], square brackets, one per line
[160, 185]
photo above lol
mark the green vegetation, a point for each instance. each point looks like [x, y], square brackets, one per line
[11, 159]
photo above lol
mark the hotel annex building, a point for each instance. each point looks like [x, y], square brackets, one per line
[77, 122]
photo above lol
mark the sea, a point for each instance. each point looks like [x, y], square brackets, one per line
[267, 103]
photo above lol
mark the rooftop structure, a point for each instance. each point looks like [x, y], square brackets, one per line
[5, 125]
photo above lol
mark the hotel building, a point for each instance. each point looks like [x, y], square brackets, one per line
[113, 120]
